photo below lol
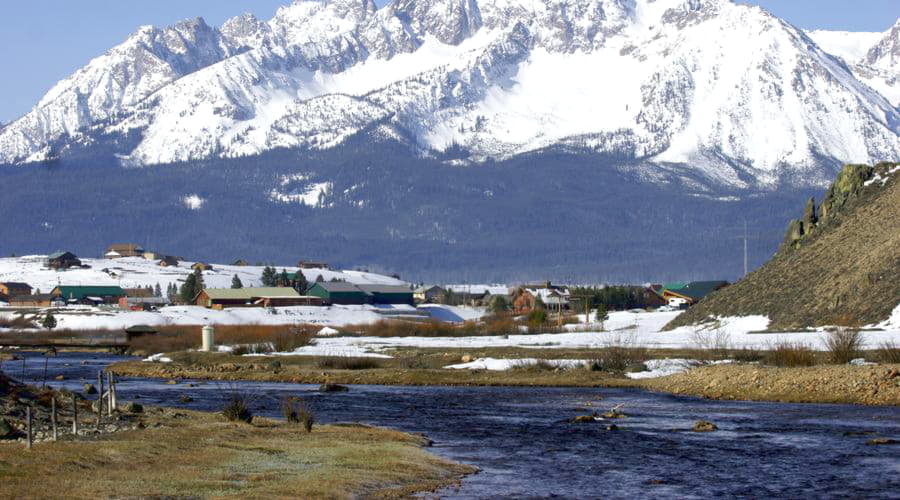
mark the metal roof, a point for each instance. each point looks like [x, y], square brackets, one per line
[384, 288]
[250, 293]
[80, 292]
[340, 287]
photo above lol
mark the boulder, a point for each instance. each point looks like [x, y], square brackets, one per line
[90, 389]
[333, 388]
[882, 441]
[584, 419]
[7, 431]
[172, 382]
[133, 407]
[612, 427]
[613, 414]
[60, 377]
[704, 426]
[186, 399]
[467, 358]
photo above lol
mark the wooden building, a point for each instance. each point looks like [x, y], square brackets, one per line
[682, 294]
[119, 250]
[12, 289]
[40, 300]
[389, 294]
[168, 261]
[429, 294]
[202, 266]
[308, 264]
[62, 260]
[223, 298]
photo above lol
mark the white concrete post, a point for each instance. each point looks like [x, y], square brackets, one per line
[209, 340]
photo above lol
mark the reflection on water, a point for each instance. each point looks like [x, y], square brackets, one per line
[520, 440]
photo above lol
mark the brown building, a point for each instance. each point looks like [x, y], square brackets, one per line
[168, 261]
[12, 289]
[119, 250]
[42, 300]
[202, 266]
[222, 298]
[308, 264]
[62, 260]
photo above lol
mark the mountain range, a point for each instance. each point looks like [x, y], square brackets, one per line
[642, 99]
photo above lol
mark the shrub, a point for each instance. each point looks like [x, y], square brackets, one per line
[347, 363]
[790, 354]
[295, 411]
[844, 345]
[292, 340]
[537, 317]
[414, 363]
[16, 323]
[618, 353]
[237, 409]
[888, 352]
[715, 341]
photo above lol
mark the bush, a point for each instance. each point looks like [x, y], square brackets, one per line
[237, 409]
[292, 340]
[715, 342]
[747, 355]
[844, 345]
[347, 363]
[790, 354]
[620, 352]
[16, 323]
[540, 365]
[295, 411]
[888, 353]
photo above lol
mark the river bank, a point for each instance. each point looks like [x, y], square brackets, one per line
[864, 385]
[195, 454]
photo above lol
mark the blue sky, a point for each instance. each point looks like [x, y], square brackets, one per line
[43, 41]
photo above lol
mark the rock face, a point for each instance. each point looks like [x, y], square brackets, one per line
[838, 264]
[475, 76]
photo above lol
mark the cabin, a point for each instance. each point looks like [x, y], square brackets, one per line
[554, 297]
[120, 250]
[12, 289]
[39, 300]
[89, 295]
[428, 294]
[223, 298]
[389, 294]
[62, 260]
[682, 295]
[202, 266]
[240, 263]
[340, 293]
[143, 303]
[167, 261]
[308, 264]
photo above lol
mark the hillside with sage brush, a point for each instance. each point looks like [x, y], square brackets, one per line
[838, 264]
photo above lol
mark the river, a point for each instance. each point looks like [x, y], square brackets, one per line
[520, 439]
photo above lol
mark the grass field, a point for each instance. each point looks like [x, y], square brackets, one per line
[200, 455]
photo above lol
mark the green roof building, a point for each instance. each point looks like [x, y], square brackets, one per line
[339, 292]
[94, 294]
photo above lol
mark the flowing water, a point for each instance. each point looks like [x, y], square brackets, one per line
[520, 439]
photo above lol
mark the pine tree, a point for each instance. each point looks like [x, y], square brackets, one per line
[283, 279]
[300, 283]
[499, 305]
[157, 292]
[320, 279]
[236, 282]
[186, 294]
[268, 276]
[49, 321]
[602, 314]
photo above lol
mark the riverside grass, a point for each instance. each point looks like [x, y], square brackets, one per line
[421, 367]
[200, 455]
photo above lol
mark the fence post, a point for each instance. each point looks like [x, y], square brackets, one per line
[109, 396]
[74, 415]
[100, 398]
[53, 418]
[28, 439]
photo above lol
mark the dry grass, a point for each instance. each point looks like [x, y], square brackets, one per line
[888, 352]
[619, 352]
[348, 363]
[401, 328]
[202, 456]
[844, 345]
[790, 354]
[295, 411]
[181, 338]
[17, 323]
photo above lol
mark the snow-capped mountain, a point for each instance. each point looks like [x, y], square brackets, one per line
[724, 91]
[873, 57]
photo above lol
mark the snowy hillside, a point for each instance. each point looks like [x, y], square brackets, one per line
[135, 272]
[873, 57]
[724, 91]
